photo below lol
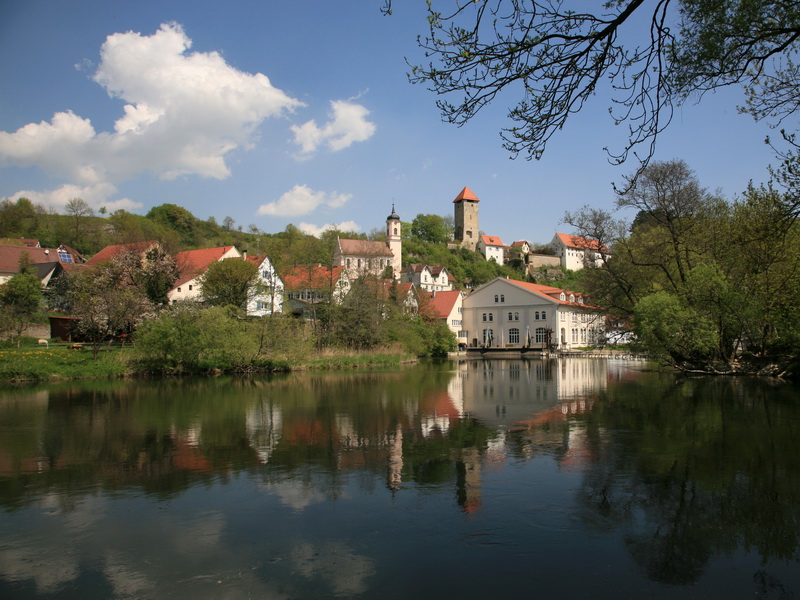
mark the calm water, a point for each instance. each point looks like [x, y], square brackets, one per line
[573, 479]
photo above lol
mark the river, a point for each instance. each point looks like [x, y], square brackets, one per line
[571, 478]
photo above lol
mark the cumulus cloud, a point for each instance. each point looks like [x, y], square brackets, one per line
[301, 200]
[316, 231]
[184, 112]
[348, 123]
[96, 196]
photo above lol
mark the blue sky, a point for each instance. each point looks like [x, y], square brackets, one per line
[297, 112]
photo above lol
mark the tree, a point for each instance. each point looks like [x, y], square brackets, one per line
[230, 282]
[78, 209]
[152, 273]
[105, 304]
[556, 57]
[432, 228]
[20, 300]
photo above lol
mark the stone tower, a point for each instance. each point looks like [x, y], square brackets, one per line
[394, 242]
[466, 219]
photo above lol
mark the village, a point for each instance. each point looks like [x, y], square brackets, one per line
[503, 314]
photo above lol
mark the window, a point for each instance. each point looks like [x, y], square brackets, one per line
[574, 336]
[563, 296]
[491, 316]
[455, 322]
[541, 335]
[484, 316]
[536, 315]
[190, 287]
[544, 316]
[502, 298]
[516, 316]
[463, 334]
[510, 316]
[572, 297]
[513, 336]
[348, 263]
[496, 297]
[179, 290]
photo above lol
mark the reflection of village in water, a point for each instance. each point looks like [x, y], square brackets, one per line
[436, 432]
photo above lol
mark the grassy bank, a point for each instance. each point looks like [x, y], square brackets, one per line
[58, 362]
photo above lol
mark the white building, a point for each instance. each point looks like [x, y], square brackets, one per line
[577, 252]
[365, 257]
[192, 264]
[428, 278]
[492, 248]
[506, 313]
[269, 297]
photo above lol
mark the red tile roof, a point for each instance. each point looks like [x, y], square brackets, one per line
[443, 302]
[492, 240]
[552, 293]
[193, 262]
[466, 194]
[303, 277]
[110, 252]
[363, 248]
[582, 243]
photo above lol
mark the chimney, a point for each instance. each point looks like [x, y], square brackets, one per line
[244, 254]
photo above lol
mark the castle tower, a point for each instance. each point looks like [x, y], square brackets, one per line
[394, 242]
[466, 219]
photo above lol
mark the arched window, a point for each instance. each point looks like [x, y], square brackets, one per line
[502, 298]
[495, 298]
[544, 316]
[484, 316]
[516, 316]
[536, 315]
[491, 316]
[513, 336]
[510, 316]
[541, 335]
[563, 296]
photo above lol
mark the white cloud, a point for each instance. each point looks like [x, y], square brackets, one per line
[316, 231]
[184, 112]
[96, 196]
[348, 124]
[301, 200]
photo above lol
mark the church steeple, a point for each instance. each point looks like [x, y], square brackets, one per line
[394, 241]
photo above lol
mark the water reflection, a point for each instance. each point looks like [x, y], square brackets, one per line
[315, 485]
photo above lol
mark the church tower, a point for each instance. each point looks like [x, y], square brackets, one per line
[466, 219]
[394, 242]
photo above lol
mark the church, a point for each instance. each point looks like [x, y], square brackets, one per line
[364, 257]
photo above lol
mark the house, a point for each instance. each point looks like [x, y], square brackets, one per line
[506, 313]
[428, 278]
[578, 252]
[365, 257]
[110, 252]
[29, 242]
[48, 262]
[492, 248]
[447, 306]
[192, 264]
[269, 299]
[307, 286]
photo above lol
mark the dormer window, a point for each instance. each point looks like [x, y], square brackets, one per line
[563, 296]
[580, 299]
[572, 297]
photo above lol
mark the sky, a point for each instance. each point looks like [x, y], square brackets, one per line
[298, 112]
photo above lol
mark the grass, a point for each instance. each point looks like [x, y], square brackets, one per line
[58, 362]
[36, 363]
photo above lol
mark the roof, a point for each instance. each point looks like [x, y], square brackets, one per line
[466, 194]
[520, 243]
[10, 255]
[582, 243]
[492, 240]
[31, 243]
[550, 292]
[363, 248]
[442, 303]
[193, 262]
[110, 252]
[305, 277]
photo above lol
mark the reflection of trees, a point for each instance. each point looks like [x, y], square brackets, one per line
[164, 437]
[695, 469]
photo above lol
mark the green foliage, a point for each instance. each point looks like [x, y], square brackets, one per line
[20, 301]
[432, 228]
[230, 282]
[666, 325]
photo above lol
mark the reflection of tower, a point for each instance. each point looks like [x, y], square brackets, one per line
[394, 241]
[395, 477]
[466, 219]
[468, 480]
